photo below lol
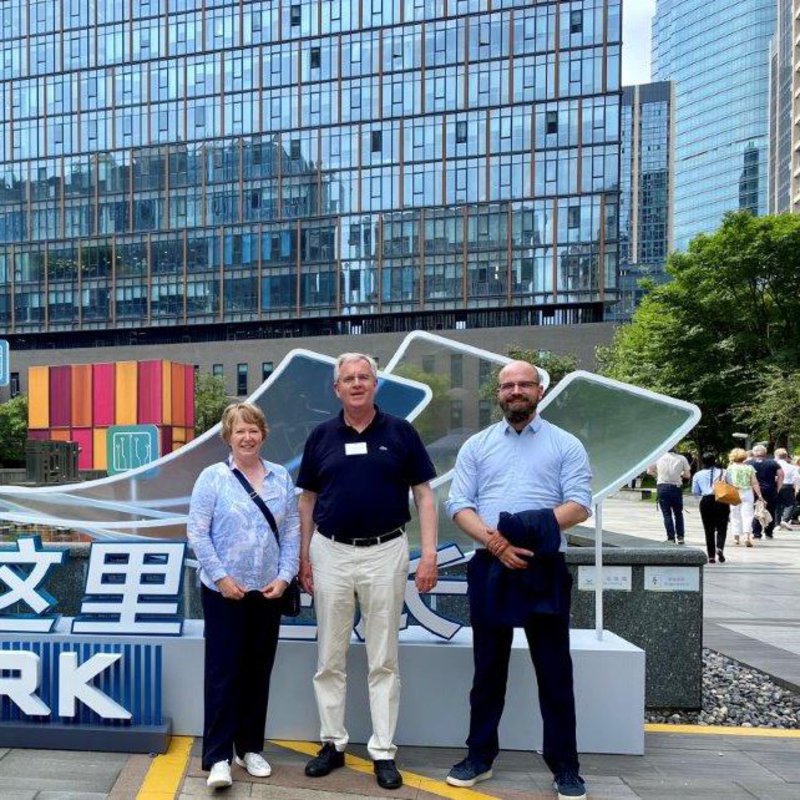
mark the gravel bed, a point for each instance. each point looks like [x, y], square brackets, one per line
[735, 695]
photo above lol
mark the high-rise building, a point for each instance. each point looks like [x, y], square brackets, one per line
[646, 177]
[185, 168]
[781, 102]
[717, 55]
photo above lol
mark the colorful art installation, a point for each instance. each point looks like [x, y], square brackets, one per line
[80, 402]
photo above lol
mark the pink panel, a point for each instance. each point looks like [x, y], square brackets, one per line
[188, 377]
[149, 391]
[41, 435]
[60, 396]
[166, 440]
[85, 440]
[103, 394]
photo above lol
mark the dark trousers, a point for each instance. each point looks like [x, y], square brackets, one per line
[548, 642]
[771, 501]
[784, 509]
[241, 640]
[670, 501]
[715, 523]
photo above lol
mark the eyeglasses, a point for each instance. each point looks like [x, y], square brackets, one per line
[509, 386]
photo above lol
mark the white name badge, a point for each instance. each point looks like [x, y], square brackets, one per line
[355, 449]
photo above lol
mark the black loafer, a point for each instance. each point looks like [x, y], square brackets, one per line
[386, 773]
[328, 759]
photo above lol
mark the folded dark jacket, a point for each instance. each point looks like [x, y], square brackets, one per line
[544, 587]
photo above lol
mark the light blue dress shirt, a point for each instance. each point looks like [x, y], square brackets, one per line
[703, 482]
[501, 470]
[229, 534]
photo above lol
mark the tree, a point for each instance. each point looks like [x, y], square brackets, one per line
[731, 311]
[434, 421]
[209, 401]
[13, 430]
[773, 417]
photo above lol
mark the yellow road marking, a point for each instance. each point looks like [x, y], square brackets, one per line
[721, 730]
[163, 779]
[422, 782]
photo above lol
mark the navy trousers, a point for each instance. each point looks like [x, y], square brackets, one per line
[548, 642]
[670, 501]
[241, 640]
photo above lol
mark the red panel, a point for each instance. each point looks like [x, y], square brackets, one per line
[60, 396]
[166, 440]
[103, 394]
[149, 390]
[189, 395]
[85, 440]
[39, 435]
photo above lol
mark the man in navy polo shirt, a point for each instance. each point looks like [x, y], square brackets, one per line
[355, 475]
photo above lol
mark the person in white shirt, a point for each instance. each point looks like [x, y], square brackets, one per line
[670, 470]
[784, 508]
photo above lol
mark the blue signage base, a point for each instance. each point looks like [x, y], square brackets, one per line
[104, 738]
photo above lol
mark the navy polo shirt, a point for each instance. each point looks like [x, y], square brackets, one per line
[362, 479]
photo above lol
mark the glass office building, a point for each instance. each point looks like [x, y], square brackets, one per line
[717, 54]
[781, 109]
[646, 178]
[170, 166]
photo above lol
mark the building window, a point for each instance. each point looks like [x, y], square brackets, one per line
[377, 141]
[574, 217]
[456, 370]
[484, 413]
[428, 364]
[575, 21]
[267, 369]
[551, 122]
[295, 149]
[461, 132]
[456, 413]
[294, 16]
[315, 57]
[217, 370]
[13, 384]
[241, 379]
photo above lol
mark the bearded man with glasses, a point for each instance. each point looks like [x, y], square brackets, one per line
[516, 487]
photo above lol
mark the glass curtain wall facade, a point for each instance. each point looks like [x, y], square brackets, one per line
[646, 175]
[780, 110]
[180, 162]
[717, 54]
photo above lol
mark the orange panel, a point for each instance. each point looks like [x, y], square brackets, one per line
[176, 446]
[81, 389]
[99, 449]
[60, 435]
[166, 393]
[179, 435]
[38, 397]
[125, 394]
[178, 395]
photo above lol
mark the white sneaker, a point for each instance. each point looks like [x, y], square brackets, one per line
[785, 525]
[255, 764]
[220, 776]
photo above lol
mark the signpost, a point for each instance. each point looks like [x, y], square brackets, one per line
[131, 446]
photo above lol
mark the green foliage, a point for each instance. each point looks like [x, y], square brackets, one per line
[209, 401]
[434, 421]
[774, 417]
[711, 335]
[13, 430]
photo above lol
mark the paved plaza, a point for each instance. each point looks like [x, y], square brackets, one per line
[751, 613]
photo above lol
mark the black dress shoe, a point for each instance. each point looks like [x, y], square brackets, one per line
[387, 774]
[328, 759]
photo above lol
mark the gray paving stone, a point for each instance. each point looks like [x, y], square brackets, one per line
[70, 796]
[196, 787]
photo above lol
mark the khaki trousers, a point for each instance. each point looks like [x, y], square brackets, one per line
[377, 576]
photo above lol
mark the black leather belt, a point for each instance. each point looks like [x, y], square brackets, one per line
[363, 541]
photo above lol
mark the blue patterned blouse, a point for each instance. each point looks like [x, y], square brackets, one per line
[229, 534]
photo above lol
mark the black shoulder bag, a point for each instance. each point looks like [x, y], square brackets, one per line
[290, 599]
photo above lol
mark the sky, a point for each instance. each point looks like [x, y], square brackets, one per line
[636, 17]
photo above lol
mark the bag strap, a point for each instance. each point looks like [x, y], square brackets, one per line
[258, 500]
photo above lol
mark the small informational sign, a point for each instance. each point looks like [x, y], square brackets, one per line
[672, 579]
[5, 375]
[131, 446]
[614, 578]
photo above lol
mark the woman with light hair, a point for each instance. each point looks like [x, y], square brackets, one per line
[743, 477]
